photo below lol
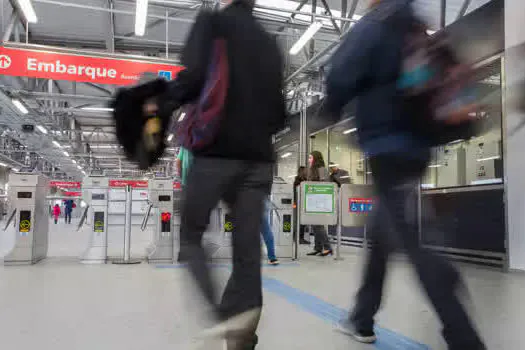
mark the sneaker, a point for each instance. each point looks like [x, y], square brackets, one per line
[360, 335]
[273, 262]
[237, 324]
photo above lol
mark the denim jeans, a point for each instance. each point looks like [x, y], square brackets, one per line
[267, 233]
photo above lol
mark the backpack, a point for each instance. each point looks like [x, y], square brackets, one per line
[438, 90]
[202, 121]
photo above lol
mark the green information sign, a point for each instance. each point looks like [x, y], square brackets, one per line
[319, 199]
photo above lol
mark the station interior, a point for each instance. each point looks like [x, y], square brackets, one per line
[108, 278]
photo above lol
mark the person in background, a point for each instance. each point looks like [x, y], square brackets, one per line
[268, 235]
[183, 162]
[317, 172]
[338, 175]
[367, 66]
[237, 166]
[301, 176]
[68, 210]
[56, 213]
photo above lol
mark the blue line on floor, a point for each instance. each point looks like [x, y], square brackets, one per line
[387, 340]
[227, 265]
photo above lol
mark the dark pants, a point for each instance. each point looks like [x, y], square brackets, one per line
[244, 186]
[395, 226]
[322, 242]
[67, 217]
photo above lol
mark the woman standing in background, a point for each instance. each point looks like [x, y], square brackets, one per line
[317, 172]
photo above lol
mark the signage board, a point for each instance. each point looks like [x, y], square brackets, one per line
[360, 205]
[24, 225]
[319, 198]
[25, 62]
[357, 202]
[65, 184]
[132, 183]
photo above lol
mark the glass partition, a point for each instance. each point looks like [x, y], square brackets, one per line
[287, 162]
[479, 160]
[319, 142]
[345, 153]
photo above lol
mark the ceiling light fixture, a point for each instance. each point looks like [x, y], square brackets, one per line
[286, 155]
[42, 129]
[170, 137]
[141, 15]
[488, 158]
[66, 154]
[97, 109]
[307, 35]
[28, 10]
[3, 164]
[79, 167]
[349, 131]
[56, 144]
[181, 118]
[74, 161]
[20, 106]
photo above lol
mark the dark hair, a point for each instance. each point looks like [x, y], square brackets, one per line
[302, 172]
[248, 3]
[313, 171]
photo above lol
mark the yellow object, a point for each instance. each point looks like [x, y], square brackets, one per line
[151, 132]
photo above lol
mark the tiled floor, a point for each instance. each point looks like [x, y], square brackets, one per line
[60, 304]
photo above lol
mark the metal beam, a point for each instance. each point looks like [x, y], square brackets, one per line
[351, 13]
[10, 26]
[464, 8]
[110, 41]
[99, 88]
[314, 15]
[334, 23]
[61, 97]
[443, 15]
[298, 8]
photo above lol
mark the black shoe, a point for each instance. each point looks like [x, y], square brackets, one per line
[366, 336]
[273, 262]
[304, 241]
[314, 253]
[327, 252]
[233, 343]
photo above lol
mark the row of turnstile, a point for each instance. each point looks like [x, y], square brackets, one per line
[28, 200]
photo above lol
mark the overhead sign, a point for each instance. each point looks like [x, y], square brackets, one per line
[72, 194]
[62, 66]
[65, 184]
[132, 183]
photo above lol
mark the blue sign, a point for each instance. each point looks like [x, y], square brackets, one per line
[166, 74]
[360, 205]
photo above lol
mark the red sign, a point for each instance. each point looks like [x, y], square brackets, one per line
[132, 183]
[177, 185]
[61, 66]
[65, 184]
[73, 194]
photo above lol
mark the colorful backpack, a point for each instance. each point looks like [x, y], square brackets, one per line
[202, 121]
[438, 91]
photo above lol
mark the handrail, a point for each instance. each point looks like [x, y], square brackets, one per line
[146, 217]
[83, 218]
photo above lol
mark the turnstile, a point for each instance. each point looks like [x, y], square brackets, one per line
[27, 195]
[281, 215]
[95, 194]
[161, 195]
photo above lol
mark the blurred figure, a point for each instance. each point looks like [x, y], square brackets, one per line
[56, 213]
[317, 172]
[183, 162]
[68, 210]
[301, 176]
[237, 166]
[367, 66]
[338, 175]
[267, 234]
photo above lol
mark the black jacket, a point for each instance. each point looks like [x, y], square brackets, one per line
[255, 106]
[366, 67]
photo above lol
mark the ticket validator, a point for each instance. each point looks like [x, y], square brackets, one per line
[161, 199]
[95, 191]
[27, 195]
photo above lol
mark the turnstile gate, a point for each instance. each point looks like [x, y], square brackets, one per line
[27, 195]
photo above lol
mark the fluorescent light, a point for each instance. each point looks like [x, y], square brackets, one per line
[349, 131]
[141, 15]
[16, 170]
[83, 172]
[20, 106]
[56, 144]
[3, 164]
[66, 154]
[28, 10]
[97, 109]
[428, 186]
[345, 177]
[333, 165]
[307, 35]
[181, 118]
[170, 137]
[487, 182]
[79, 167]
[286, 155]
[435, 166]
[41, 129]
[74, 161]
[488, 158]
